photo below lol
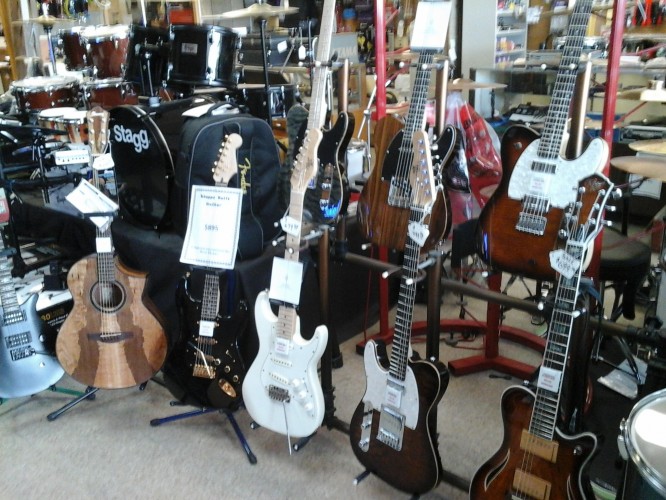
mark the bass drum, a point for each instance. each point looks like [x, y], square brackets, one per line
[644, 440]
[144, 142]
[203, 55]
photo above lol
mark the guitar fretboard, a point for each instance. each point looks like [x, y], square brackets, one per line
[317, 113]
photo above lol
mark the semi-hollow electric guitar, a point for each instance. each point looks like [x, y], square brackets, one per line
[383, 207]
[393, 430]
[282, 391]
[26, 365]
[518, 226]
[327, 191]
[537, 459]
[206, 362]
[110, 339]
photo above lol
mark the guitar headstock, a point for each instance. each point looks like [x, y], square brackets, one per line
[226, 165]
[583, 219]
[421, 177]
[98, 129]
[305, 164]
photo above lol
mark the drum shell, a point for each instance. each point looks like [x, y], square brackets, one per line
[107, 49]
[109, 93]
[281, 99]
[645, 473]
[48, 118]
[42, 92]
[74, 49]
[203, 55]
[146, 40]
[76, 125]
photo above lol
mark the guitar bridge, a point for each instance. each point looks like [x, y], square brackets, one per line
[399, 193]
[533, 224]
[278, 394]
[391, 427]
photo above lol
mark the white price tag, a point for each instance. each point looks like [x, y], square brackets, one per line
[282, 346]
[418, 232]
[291, 226]
[206, 328]
[549, 379]
[393, 396]
[564, 263]
[103, 162]
[103, 245]
[282, 46]
[539, 184]
[286, 279]
[88, 199]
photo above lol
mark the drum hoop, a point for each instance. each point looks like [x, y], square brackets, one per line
[68, 82]
[104, 83]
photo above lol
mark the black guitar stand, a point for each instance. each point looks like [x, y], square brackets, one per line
[203, 411]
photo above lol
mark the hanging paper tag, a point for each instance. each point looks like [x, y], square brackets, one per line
[212, 228]
[286, 279]
[549, 379]
[281, 346]
[418, 232]
[103, 245]
[206, 328]
[564, 263]
[291, 226]
[393, 396]
[539, 184]
[103, 162]
[88, 199]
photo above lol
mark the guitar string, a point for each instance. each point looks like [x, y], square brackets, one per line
[551, 143]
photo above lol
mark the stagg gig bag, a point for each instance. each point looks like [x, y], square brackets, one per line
[258, 169]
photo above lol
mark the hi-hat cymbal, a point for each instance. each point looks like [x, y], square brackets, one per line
[259, 11]
[652, 146]
[465, 84]
[645, 166]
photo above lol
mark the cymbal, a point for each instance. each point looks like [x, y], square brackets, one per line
[47, 20]
[465, 84]
[259, 11]
[652, 146]
[645, 166]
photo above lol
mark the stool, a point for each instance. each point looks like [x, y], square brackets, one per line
[624, 263]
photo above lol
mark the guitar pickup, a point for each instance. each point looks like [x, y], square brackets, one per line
[18, 339]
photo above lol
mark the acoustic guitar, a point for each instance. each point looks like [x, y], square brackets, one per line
[393, 431]
[282, 390]
[26, 364]
[112, 338]
[519, 225]
[537, 459]
[383, 207]
[206, 362]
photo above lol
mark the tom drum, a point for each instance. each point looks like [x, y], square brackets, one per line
[147, 57]
[109, 93]
[76, 125]
[42, 92]
[107, 49]
[73, 48]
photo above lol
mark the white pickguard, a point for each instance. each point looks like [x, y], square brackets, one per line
[377, 378]
[559, 188]
[294, 372]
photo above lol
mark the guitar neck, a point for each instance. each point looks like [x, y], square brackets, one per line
[10, 306]
[565, 81]
[317, 113]
[210, 302]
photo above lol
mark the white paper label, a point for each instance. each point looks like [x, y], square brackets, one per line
[282, 46]
[418, 232]
[564, 263]
[282, 346]
[103, 245]
[103, 162]
[393, 396]
[540, 184]
[286, 279]
[549, 379]
[291, 226]
[87, 199]
[206, 328]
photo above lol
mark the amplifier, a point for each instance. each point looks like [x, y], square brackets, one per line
[632, 133]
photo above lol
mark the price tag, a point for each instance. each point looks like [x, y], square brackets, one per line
[282, 46]
[549, 379]
[291, 226]
[103, 245]
[286, 279]
[564, 263]
[418, 232]
[282, 346]
[103, 162]
[393, 396]
[206, 328]
[87, 199]
[539, 184]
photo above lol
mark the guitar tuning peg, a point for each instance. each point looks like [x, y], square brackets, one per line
[616, 194]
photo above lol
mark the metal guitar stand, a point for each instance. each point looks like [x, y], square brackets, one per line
[203, 411]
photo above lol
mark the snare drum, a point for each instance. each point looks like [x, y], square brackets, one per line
[203, 55]
[147, 57]
[280, 99]
[644, 440]
[76, 125]
[42, 92]
[109, 93]
[47, 118]
[141, 137]
[107, 49]
[73, 48]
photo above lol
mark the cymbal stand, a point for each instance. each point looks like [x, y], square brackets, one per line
[264, 56]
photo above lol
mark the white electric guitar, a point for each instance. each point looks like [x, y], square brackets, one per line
[281, 390]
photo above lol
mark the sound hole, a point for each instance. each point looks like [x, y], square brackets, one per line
[108, 296]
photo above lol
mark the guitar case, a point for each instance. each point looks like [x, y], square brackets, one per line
[258, 169]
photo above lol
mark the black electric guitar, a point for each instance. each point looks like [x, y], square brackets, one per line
[519, 225]
[327, 192]
[393, 430]
[26, 366]
[536, 458]
[206, 363]
[112, 338]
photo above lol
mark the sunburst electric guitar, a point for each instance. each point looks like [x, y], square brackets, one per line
[519, 225]
[206, 361]
[282, 391]
[393, 430]
[110, 339]
[537, 459]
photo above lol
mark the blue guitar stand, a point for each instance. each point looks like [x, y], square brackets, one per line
[202, 411]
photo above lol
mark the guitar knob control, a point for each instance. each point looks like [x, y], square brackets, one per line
[302, 395]
[309, 407]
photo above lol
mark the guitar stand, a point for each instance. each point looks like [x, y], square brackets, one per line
[202, 411]
[89, 394]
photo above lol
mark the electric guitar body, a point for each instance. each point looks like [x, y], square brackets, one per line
[208, 370]
[110, 339]
[426, 384]
[557, 473]
[385, 224]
